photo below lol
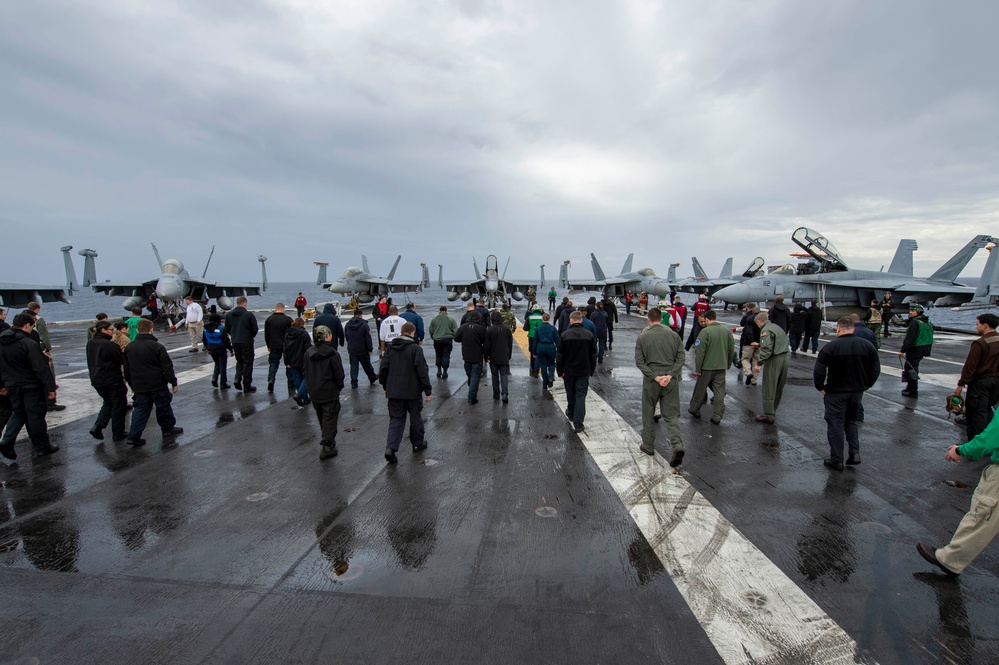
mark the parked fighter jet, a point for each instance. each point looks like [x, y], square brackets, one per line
[615, 287]
[701, 283]
[825, 278]
[13, 294]
[363, 287]
[174, 284]
[492, 287]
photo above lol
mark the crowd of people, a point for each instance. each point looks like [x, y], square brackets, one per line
[567, 341]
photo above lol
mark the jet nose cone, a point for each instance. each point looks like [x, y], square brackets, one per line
[492, 285]
[168, 290]
[735, 293]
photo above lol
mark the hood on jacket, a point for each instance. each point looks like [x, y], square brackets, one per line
[328, 309]
[401, 340]
[496, 317]
[322, 352]
[357, 322]
[10, 336]
[237, 311]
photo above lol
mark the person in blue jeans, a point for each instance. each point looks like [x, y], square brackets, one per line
[296, 342]
[219, 346]
[472, 337]
[546, 342]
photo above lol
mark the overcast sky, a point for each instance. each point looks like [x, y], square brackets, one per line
[320, 130]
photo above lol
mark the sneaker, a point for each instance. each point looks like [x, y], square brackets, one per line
[97, 433]
[173, 431]
[136, 442]
[905, 393]
[327, 452]
[390, 456]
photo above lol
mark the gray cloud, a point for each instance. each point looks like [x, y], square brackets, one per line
[309, 131]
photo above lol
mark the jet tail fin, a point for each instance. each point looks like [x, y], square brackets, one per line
[627, 264]
[598, 272]
[988, 285]
[698, 270]
[542, 282]
[425, 282]
[71, 282]
[321, 277]
[727, 268]
[364, 264]
[395, 265]
[563, 275]
[209, 261]
[949, 271]
[89, 266]
[475, 265]
[503, 276]
[263, 270]
[157, 253]
[901, 263]
[440, 275]
[671, 275]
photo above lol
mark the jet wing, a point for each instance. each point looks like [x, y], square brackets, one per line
[894, 286]
[216, 289]
[464, 286]
[592, 285]
[19, 295]
[124, 288]
[509, 286]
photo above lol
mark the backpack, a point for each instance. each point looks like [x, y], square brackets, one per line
[214, 337]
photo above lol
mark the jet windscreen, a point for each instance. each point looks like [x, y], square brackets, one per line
[173, 267]
[819, 247]
[647, 272]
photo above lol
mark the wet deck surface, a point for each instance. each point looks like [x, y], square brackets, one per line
[504, 542]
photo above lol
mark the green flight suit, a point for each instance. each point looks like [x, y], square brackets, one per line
[659, 351]
[712, 355]
[774, 348]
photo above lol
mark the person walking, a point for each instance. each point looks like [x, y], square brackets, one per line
[391, 328]
[796, 332]
[498, 351]
[359, 348]
[148, 371]
[564, 320]
[576, 362]
[41, 335]
[331, 320]
[297, 342]
[219, 346]
[599, 319]
[713, 353]
[780, 315]
[749, 344]
[300, 305]
[324, 381]
[133, 323]
[105, 363]
[659, 355]
[242, 328]
[472, 337]
[91, 331]
[917, 344]
[612, 320]
[813, 326]
[681, 311]
[552, 295]
[629, 298]
[194, 320]
[442, 329]
[774, 349]
[275, 327]
[417, 321]
[25, 378]
[700, 307]
[873, 320]
[509, 319]
[980, 525]
[845, 368]
[404, 376]
[546, 343]
[531, 323]
[980, 375]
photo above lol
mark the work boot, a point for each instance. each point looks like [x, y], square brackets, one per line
[270, 387]
[390, 456]
[7, 450]
[327, 452]
[249, 389]
[853, 460]
[829, 462]
[749, 377]
[677, 458]
[97, 433]
[173, 431]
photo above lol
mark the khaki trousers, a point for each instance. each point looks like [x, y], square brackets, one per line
[978, 527]
[195, 330]
[750, 356]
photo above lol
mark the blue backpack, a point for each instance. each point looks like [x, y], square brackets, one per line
[214, 337]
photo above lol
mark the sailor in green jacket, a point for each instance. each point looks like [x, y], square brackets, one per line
[713, 352]
[441, 331]
[659, 355]
[981, 524]
[774, 348]
[531, 323]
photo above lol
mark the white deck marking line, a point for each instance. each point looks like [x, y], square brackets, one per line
[81, 400]
[84, 371]
[750, 610]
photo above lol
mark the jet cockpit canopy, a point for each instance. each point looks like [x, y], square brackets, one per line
[819, 247]
[647, 272]
[352, 271]
[173, 267]
[755, 268]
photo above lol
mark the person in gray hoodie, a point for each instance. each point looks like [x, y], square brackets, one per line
[324, 379]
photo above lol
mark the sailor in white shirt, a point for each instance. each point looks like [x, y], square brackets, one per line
[195, 322]
[391, 327]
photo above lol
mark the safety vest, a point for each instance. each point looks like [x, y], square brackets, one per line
[924, 336]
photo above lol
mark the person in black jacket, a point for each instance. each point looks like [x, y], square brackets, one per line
[780, 315]
[275, 327]
[242, 327]
[600, 321]
[499, 350]
[813, 326]
[297, 342]
[104, 362]
[916, 345]
[576, 362]
[612, 319]
[796, 332]
[359, 347]
[845, 368]
[749, 343]
[330, 319]
[148, 370]
[324, 377]
[472, 337]
[26, 379]
[404, 376]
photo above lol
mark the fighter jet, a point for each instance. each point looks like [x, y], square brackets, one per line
[174, 284]
[826, 278]
[13, 294]
[701, 283]
[492, 287]
[616, 287]
[363, 287]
